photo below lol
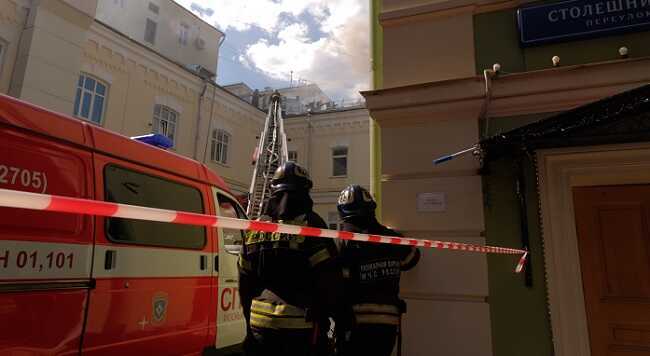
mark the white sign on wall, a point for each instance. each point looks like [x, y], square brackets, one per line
[432, 202]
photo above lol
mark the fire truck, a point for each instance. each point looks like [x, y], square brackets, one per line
[81, 284]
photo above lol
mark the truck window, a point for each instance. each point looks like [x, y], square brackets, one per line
[230, 209]
[129, 187]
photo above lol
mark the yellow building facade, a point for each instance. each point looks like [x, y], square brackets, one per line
[65, 56]
[335, 147]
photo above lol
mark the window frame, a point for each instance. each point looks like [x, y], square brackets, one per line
[107, 234]
[336, 156]
[215, 142]
[183, 34]
[80, 92]
[155, 31]
[158, 118]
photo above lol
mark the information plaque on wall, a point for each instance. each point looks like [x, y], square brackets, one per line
[432, 202]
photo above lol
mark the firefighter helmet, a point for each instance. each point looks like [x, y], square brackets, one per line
[354, 200]
[290, 177]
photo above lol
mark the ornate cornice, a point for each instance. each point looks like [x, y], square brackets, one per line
[549, 90]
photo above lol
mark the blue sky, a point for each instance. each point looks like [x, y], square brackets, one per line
[322, 41]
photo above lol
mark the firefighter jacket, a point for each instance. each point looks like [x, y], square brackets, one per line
[372, 273]
[297, 279]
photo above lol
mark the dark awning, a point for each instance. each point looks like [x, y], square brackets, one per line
[624, 117]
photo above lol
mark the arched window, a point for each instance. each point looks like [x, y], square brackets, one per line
[90, 101]
[219, 146]
[165, 120]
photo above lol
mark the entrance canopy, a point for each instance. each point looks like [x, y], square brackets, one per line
[621, 118]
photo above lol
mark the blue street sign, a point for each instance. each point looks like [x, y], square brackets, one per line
[576, 19]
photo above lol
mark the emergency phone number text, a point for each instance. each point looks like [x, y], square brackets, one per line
[23, 177]
[36, 260]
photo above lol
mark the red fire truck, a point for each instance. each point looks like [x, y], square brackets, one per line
[72, 284]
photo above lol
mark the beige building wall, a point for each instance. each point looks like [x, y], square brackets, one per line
[13, 15]
[44, 55]
[415, 51]
[313, 138]
[199, 46]
[45, 40]
[447, 292]
[138, 79]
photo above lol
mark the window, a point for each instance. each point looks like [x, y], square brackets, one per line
[129, 187]
[219, 148]
[339, 161]
[150, 31]
[293, 156]
[184, 34]
[164, 121]
[230, 237]
[154, 8]
[230, 209]
[333, 222]
[90, 100]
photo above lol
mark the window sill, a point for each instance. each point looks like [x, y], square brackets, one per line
[225, 165]
[334, 177]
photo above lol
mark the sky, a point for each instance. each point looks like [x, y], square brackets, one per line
[325, 42]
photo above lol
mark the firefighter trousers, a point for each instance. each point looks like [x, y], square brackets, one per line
[370, 339]
[272, 342]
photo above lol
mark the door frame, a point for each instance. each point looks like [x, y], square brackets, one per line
[559, 170]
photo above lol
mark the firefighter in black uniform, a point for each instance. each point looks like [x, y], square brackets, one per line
[372, 272]
[290, 285]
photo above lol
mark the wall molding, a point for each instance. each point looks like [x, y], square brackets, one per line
[457, 173]
[459, 298]
[548, 90]
[559, 171]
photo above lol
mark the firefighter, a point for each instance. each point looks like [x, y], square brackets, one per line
[372, 273]
[290, 285]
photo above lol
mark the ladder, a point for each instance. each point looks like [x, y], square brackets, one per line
[270, 154]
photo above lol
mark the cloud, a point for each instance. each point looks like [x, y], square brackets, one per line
[337, 58]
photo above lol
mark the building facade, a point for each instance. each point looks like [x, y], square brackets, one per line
[58, 55]
[433, 100]
[91, 60]
[167, 28]
[335, 148]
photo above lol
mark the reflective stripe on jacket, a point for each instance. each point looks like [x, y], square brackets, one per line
[278, 316]
[369, 313]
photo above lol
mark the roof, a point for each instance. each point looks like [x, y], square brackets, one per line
[76, 132]
[599, 122]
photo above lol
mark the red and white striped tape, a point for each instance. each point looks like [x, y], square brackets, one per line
[35, 201]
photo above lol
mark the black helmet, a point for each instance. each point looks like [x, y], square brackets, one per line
[355, 201]
[290, 177]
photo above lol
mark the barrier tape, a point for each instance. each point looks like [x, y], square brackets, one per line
[46, 202]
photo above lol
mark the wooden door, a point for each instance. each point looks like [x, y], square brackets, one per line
[613, 226]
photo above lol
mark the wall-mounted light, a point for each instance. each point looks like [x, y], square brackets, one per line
[496, 67]
[623, 52]
[556, 61]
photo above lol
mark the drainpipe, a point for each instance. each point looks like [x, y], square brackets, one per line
[198, 119]
[15, 92]
[488, 74]
[207, 135]
[198, 115]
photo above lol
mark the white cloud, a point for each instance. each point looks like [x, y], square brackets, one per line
[338, 61]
